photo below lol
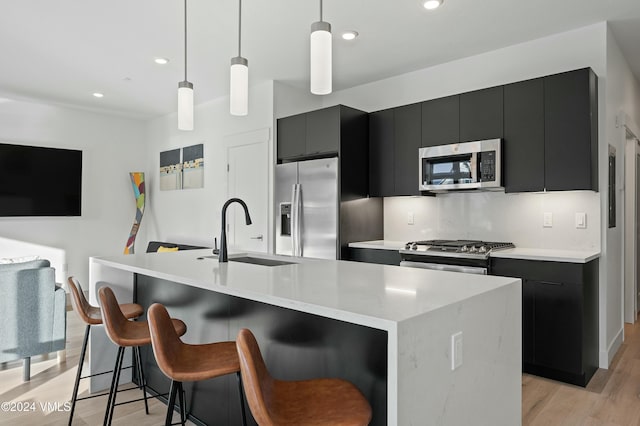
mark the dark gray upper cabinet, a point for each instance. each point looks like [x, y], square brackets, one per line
[310, 134]
[571, 129]
[381, 148]
[441, 121]
[323, 130]
[394, 140]
[523, 145]
[292, 133]
[481, 114]
[407, 131]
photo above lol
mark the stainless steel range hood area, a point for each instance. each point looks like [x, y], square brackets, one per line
[467, 166]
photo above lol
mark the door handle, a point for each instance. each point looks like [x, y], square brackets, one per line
[259, 237]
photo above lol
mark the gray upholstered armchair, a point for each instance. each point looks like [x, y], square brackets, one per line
[32, 312]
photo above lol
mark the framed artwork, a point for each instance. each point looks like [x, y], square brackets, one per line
[170, 170]
[182, 168]
[193, 166]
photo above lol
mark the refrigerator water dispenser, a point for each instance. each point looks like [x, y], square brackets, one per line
[285, 219]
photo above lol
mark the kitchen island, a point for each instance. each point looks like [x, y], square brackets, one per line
[387, 329]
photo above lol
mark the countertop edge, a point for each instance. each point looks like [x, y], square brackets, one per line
[524, 253]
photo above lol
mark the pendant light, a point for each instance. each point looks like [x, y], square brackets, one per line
[239, 82]
[185, 89]
[320, 56]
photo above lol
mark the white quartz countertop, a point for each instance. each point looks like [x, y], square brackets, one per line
[551, 255]
[373, 295]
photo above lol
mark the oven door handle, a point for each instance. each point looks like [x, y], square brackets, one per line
[444, 267]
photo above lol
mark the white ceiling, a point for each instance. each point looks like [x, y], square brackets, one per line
[62, 51]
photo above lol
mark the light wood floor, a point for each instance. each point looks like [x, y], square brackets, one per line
[610, 399]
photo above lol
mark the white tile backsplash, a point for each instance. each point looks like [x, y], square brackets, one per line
[496, 216]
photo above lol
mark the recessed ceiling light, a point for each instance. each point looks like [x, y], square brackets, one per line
[161, 61]
[432, 4]
[349, 35]
[98, 95]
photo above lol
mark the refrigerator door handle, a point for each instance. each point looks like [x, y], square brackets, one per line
[295, 220]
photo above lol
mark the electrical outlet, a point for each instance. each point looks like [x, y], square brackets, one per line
[547, 220]
[581, 220]
[410, 218]
[456, 350]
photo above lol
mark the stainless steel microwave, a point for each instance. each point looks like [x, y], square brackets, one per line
[460, 166]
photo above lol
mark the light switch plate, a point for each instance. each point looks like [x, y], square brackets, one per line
[410, 218]
[581, 220]
[547, 219]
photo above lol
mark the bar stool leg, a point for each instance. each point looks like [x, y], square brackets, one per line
[244, 415]
[143, 382]
[181, 400]
[111, 403]
[171, 403]
[113, 378]
[74, 396]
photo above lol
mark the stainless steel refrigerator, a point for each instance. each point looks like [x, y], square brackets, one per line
[307, 208]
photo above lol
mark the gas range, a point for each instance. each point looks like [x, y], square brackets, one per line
[468, 256]
[470, 249]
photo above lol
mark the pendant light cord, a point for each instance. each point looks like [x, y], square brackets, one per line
[320, 10]
[185, 40]
[239, 27]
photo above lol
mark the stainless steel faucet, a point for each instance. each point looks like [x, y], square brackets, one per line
[222, 256]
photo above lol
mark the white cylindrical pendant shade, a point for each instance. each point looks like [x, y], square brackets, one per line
[185, 105]
[239, 91]
[321, 58]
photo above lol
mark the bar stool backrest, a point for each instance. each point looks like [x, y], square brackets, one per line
[80, 303]
[114, 321]
[256, 379]
[165, 341]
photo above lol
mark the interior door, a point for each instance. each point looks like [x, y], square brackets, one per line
[248, 179]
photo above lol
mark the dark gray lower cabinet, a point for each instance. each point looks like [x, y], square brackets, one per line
[381, 256]
[559, 317]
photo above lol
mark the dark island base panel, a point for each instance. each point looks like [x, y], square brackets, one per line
[295, 345]
[581, 379]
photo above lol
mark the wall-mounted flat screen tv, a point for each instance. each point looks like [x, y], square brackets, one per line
[38, 181]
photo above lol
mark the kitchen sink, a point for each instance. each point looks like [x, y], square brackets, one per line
[260, 261]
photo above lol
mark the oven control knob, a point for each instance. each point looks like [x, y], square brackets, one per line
[482, 249]
[407, 246]
[464, 249]
[473, 249]
[414, 246]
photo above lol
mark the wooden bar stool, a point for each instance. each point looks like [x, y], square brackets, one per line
[183, 362]
[125, 333]
[330, 402]
[91, 315]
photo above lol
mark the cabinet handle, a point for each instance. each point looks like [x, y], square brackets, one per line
[549, 283]
[259, 237]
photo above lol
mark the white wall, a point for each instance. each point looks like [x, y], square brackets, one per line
[580, 48]
[493, 216]
[622, 100]
[289, 100]
[112, 147]
[193, 215]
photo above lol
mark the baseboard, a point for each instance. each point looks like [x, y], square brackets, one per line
[607, 356]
